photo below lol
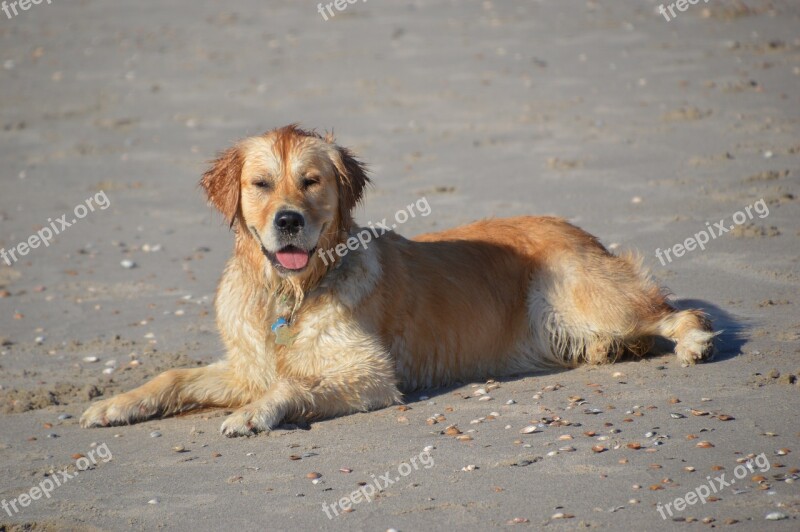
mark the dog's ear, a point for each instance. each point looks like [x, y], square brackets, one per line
[221, 183]
[351, 179]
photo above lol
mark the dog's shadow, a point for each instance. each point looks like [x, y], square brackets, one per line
[731, 337]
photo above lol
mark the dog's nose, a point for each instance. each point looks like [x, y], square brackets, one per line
[289, 222]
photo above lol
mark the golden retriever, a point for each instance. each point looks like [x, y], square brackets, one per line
[308, 337]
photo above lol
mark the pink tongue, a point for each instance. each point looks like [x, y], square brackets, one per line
[292, 259]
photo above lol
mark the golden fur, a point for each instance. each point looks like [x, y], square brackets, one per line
[493, 298]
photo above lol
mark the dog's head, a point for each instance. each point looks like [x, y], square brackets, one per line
[291, 190]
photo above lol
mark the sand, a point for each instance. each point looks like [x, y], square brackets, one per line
[643, 131]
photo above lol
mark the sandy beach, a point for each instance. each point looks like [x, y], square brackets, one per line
[677, 136]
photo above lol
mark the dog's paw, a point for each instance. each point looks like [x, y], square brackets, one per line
[698, 346]
[243, 423]
[119, 410]
[246, 422]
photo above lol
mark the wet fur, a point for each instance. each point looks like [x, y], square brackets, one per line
[493, 298]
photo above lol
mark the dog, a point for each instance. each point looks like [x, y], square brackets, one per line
[309, 338]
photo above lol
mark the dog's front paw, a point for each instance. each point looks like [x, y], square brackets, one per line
[247, 422]
[120, 410]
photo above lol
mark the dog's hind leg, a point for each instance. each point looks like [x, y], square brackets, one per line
[596, 307]
[173, 391]
[692, 333]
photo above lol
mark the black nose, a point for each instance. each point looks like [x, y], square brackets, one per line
[289, 222]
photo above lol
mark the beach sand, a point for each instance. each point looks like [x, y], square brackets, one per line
[642, 131]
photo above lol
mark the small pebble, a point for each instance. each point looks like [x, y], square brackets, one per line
[776, 516]
[471, 467]
[62, 417]
[313, 475]
[108, 371]
[153, 501]
[179, 449]
[90, 359]
[511, 402]
[128, 264]
[530, 429]
[155, 434]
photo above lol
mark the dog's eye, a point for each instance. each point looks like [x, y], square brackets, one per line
[309, 182]
[263, 184]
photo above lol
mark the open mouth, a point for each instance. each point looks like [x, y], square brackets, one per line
[291, 258]
[288, 259]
